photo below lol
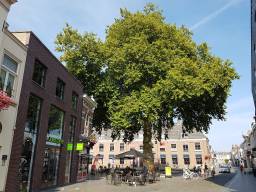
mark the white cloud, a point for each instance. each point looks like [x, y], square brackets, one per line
[214, 14]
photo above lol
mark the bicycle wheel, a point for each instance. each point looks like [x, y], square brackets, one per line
[195, 176]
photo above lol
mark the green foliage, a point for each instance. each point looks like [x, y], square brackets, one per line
[150, 71]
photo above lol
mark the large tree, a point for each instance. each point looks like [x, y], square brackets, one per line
[146, 74]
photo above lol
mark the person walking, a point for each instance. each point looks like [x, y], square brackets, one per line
[241, 167]
[206, 170]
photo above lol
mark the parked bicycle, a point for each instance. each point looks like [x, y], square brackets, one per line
[187, 174]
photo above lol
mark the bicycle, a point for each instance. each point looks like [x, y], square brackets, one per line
[187, 174]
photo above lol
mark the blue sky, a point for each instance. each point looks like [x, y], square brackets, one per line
[223, 24]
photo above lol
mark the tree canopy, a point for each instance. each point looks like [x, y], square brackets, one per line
[146, 74]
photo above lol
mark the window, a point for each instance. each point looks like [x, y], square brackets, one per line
[7, 76]
[101, 158]
[121, 146]
[141, 147]
[71, 135]
[29, 142]
[60, 89]
[186, 159]
[72, 127]
[162, 149]
[55, 126]
[185, 148]
[74, 100]
[197, 146]
[174, 159]
[101, 147]
[111, 148]
[111, 157]
[121, 161]
[163, 159]
[39, 73]
[199, 159]
[173, 146]
[50, 166]
[52, 148]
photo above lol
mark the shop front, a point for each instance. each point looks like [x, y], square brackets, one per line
[52, 147]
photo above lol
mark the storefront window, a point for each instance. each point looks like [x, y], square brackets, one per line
[52, 149]
[55, 125]
[50, 166]
[30, 136]
[71, 136]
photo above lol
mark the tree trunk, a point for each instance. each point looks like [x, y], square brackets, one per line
[148, 145]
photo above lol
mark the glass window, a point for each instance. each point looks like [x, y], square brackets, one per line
[112, 157]
[10, 64]
[2, 79]
[197, 146]
[186, 159]
[111, 148]
[163, 159]
[8, 71]
[162, 149]
[141, 147]
[52, 149]
[55, 125]
[173, 146]
[71, 136]
[50, 166]
[199, 159]
[39, 73]
[185, 148]
[29, 142]
[101, 159]
[121, 146]
[101, 147]
[175, 159]
[60, 89]
[121, 161]
[74, 100]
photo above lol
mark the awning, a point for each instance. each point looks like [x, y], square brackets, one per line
[132, 154]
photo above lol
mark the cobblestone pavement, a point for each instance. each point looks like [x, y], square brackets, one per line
[175, 184]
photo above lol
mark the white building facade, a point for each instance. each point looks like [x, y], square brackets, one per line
[12, 62]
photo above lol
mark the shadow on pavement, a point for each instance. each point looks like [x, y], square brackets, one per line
[221, 179]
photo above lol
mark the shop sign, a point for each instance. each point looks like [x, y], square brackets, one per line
[80, 146]
[54, 140]
[69, 146]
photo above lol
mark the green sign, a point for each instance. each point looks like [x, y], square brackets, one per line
[69, 147]
[54, 140]
[80, 146]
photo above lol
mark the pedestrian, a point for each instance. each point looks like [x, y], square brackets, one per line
[213, 171]
[241, 167]
[202, 171]
[206, 170]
